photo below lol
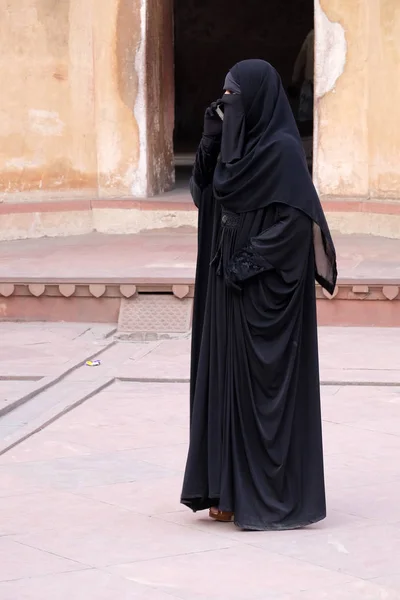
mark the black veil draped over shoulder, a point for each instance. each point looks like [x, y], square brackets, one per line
[273, 168]
[255, 417]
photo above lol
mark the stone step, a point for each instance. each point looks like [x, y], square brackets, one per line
[161, 308]
[145, 282]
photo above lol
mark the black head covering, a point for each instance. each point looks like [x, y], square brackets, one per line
[231, 84]
[268, 164]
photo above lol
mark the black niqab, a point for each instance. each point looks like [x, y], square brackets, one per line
[234, 128]
[271, 166]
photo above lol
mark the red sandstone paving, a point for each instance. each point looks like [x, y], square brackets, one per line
[40, 349]
[19, 561]
[161, 253]
[89, 507]
[346, 354]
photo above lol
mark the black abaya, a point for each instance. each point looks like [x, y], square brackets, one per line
[255, 432]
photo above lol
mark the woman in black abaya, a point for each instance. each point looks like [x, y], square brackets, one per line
[255, 453]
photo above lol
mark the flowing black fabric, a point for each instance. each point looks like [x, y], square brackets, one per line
[255, 419]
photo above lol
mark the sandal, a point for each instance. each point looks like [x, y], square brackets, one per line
[221, 516]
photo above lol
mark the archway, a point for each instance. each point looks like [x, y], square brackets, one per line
[210, 37]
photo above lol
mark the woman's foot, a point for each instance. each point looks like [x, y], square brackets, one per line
[220, 515]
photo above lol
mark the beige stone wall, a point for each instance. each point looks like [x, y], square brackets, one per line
[47, 135]
[87, 107]
[119, 97]
[384, 99]
[357, 142]
[74, 119]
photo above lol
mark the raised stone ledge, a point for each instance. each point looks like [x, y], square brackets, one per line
[362, 291]
[94, 289]
[354, 303]
[350, 290]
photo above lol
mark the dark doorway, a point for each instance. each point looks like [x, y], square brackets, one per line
[212, 35]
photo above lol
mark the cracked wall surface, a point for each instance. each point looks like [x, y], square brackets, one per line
[74, 120]
[88, 112]
[357, 139]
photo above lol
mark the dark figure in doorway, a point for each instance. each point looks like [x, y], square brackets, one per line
[303, 85]
[255, 453]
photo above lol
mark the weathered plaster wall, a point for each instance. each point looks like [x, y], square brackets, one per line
[86, 109]
[73, 112]
[119, 104]
[47, 137]
[357, 141]
[384, 99]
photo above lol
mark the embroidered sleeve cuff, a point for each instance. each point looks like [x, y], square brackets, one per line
[244, 265]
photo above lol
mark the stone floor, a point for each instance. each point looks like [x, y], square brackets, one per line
[89, 506]
[162, 253]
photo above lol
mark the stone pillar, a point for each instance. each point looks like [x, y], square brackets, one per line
[160, 96]
[133, 42]
[119, 98]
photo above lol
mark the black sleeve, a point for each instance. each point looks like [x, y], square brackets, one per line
[282, 247]
[204, 166]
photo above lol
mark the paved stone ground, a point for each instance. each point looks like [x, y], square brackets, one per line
[89, 506]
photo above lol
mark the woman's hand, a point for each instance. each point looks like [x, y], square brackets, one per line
[212, 122]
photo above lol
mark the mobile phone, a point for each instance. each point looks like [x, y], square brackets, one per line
[219, 113]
